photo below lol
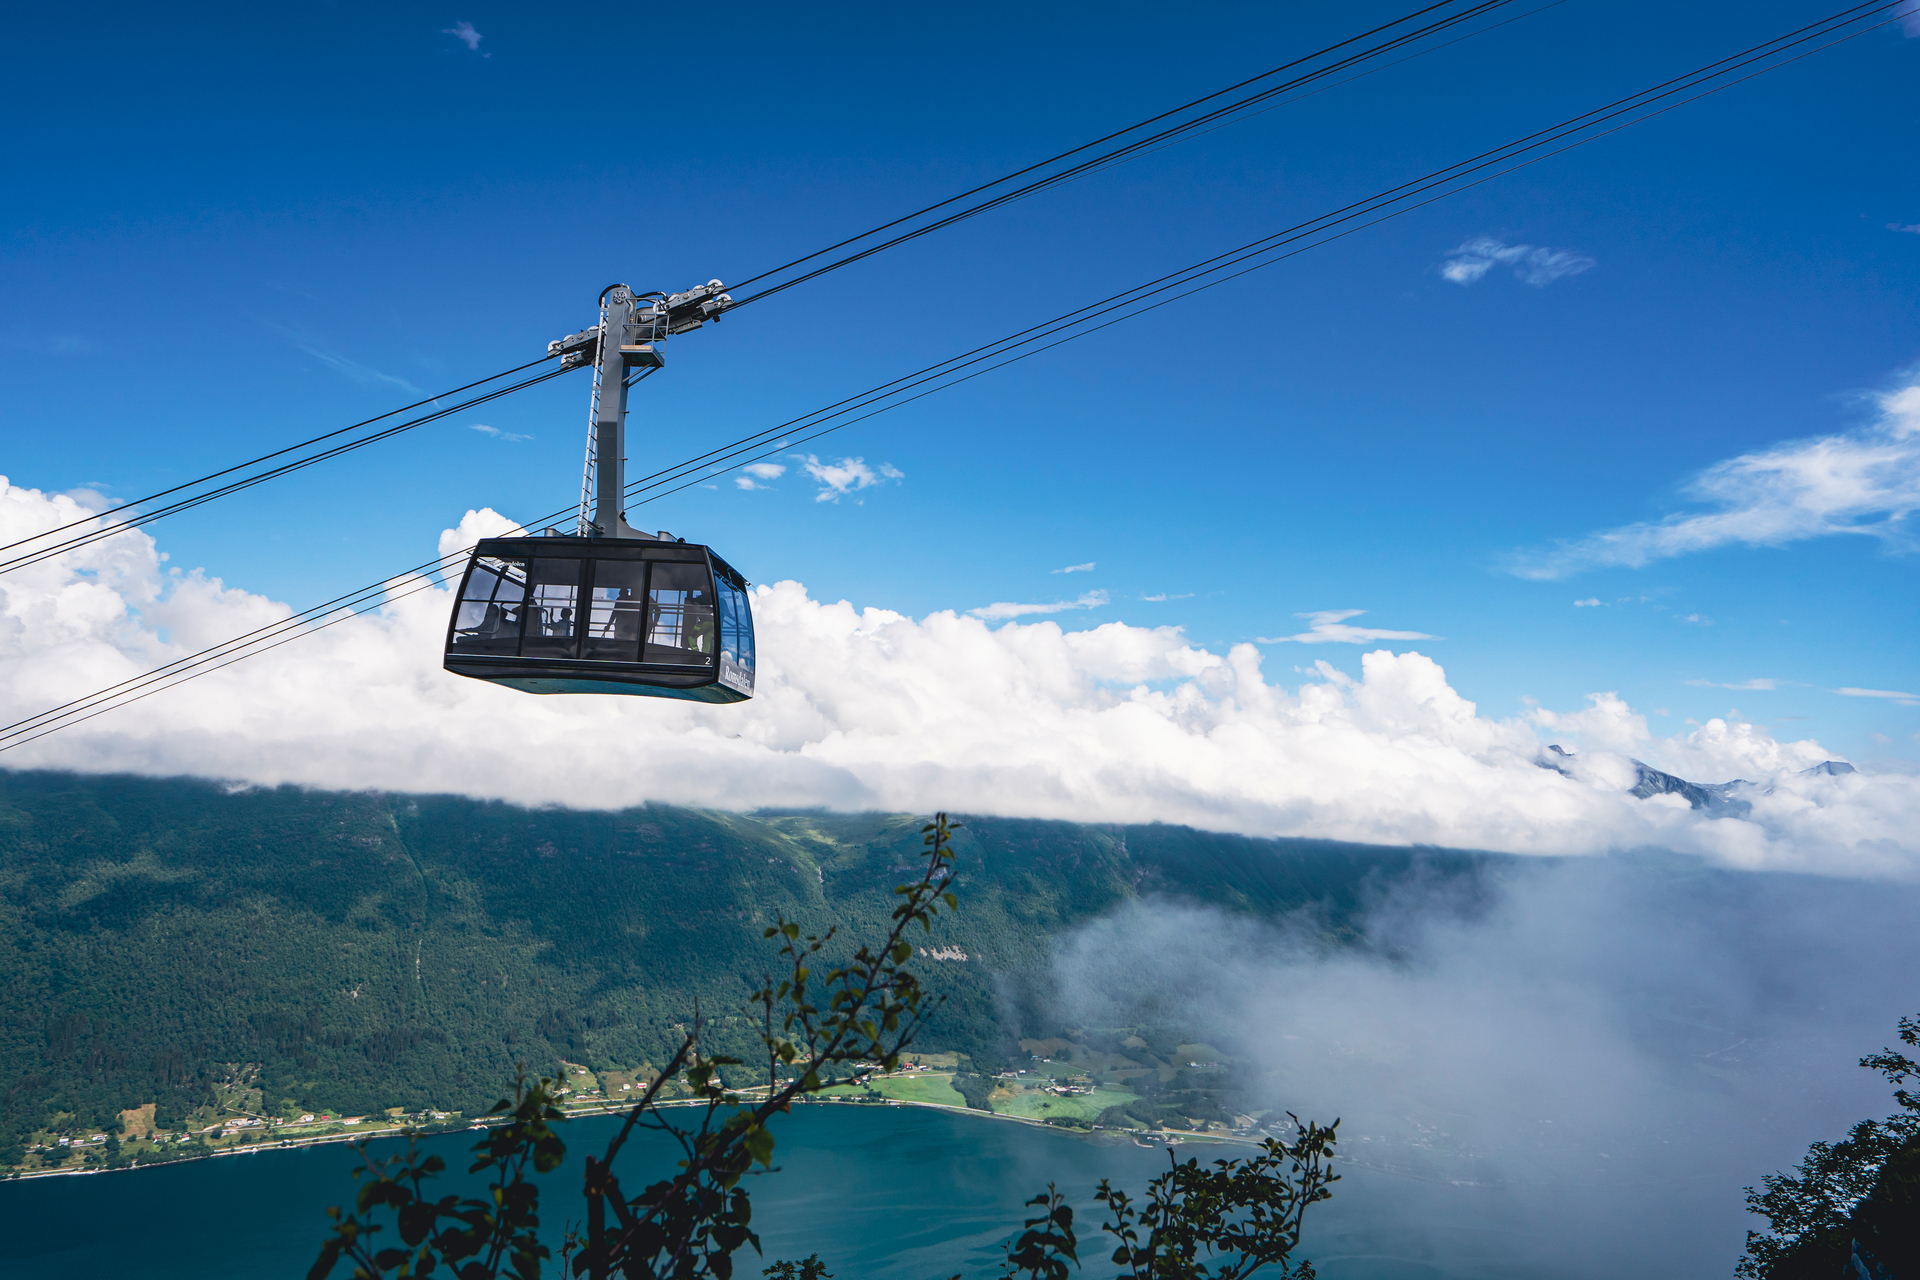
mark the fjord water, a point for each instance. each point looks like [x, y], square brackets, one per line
[880, 1193]
[876, 1191]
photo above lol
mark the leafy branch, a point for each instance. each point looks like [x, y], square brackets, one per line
[822, 1025]
[1814, 1211]
[818, 1030]
[862, 1013]
[471, 1238]
[1219, 1223]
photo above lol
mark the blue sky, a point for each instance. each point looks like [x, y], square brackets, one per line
[227, 230]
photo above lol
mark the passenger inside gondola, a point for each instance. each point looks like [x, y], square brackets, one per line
[614, 611]
[553, 590]
[488, 620]
[680, 622]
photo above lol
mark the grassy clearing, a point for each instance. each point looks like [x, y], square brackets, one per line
[1032, 1104]
[920, 1087]
[917, 1087]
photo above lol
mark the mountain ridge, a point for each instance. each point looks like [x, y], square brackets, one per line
[361, 950]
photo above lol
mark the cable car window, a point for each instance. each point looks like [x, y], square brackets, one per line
[615, 609]
[488, 619]
[553, 609]
[736, 638]
[680, 622]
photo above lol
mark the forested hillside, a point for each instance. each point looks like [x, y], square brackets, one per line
[352, 951]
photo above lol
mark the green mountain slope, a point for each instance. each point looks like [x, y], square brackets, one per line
[166, 939]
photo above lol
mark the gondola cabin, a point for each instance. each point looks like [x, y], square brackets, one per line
[654, 617]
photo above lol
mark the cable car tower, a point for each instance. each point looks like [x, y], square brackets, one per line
[607, 608]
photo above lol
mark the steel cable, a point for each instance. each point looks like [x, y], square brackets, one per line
[1163, 138]
[268, 457]
[727, 455]
[108, 529]
[273, 635]
[1119, 153]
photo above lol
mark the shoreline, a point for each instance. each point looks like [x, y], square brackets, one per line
[401, 1131]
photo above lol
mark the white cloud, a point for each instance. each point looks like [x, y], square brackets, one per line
[867, 708]
[90, 497]
[1697, 619]
[1161, 597]
[1329, 626]
[849, 475]
[1535, 266]
[496, 432]
[1759, 684]
[1864, 482]
[1607, 723]
[1076, 568]
[465, 34]
[758, 474]
[1911, 228]
[1591, 602]
[1904, 699]
[1003, 610]
[475, 525]
[1909, 15]
[355, 370]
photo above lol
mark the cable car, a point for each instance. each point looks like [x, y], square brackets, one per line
[600, 615]
[609, 609]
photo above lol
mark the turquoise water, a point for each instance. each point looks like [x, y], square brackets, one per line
[880, 1193]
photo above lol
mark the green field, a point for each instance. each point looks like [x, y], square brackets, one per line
[917, 1087]
[1032, 1104]
[1027, 1103]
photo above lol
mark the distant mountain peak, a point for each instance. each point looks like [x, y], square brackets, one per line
[1716, 798]
[1713, 797]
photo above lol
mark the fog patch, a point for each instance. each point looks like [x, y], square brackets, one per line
[1563, 1069]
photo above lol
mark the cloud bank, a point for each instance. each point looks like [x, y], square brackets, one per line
[1864, 482]
[868, 708]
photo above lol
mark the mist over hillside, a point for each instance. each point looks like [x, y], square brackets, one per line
[1564, 1069]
